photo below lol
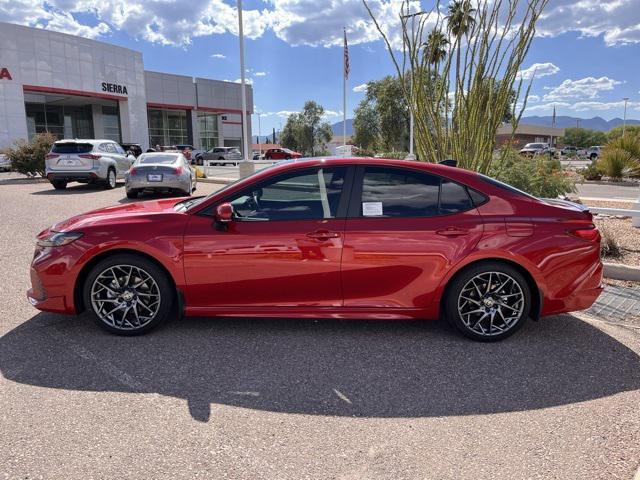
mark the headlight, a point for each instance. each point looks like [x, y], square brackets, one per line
[58, 239]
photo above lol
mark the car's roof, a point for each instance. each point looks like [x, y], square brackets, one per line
[161, 154]
[85, 140]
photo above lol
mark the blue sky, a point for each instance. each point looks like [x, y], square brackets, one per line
[585, 55]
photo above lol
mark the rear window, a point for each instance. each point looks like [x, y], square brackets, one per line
[162, 159]
[71, 147]
[505, 186]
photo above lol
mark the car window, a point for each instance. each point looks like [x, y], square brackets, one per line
[71, 147]
[167, 159]
[453, 198]
[393, 192]
[308, 195]
[118, 149]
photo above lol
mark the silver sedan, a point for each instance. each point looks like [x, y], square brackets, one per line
[160, 171]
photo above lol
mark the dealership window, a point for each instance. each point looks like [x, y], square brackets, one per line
[63, 121]
[111, 123]
[208, 127]
[233, 142]
[167, 127]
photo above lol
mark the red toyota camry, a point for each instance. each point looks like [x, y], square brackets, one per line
[339, 238]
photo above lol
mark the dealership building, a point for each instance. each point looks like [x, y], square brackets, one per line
[79, 88]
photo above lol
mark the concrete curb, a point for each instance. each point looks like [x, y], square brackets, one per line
[621, 183]
[222, 180]
[617, 271]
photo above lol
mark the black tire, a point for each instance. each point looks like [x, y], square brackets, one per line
[132, 193]
[59, 184]
[111, 180]
[164, 287]
[455, 289]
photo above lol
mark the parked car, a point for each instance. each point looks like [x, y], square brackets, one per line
[5, 163]
[531, 149]
[162, 171]
[86, 161]
[334, 238]
[222, 156]
[593, 152]
[256, 155]
[281, 154]
[569, 150]
[133, 148]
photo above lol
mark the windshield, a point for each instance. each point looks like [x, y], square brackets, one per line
[161, 159]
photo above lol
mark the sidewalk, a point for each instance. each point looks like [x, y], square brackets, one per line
[618, 303]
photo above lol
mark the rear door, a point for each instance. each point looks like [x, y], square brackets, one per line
[406, 229]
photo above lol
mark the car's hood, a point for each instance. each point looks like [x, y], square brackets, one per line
[128, 212]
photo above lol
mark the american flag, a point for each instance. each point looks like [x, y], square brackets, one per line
[346, 55]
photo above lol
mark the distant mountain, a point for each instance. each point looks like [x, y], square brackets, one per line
[595, 123]
[337, 127]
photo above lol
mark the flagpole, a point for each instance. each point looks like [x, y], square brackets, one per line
[344, 98]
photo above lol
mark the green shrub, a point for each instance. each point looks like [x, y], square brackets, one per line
[540, 176]
[28, 157]
[614, 162]
[591, 172]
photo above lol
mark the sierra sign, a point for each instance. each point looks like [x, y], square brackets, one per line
[114, 88]
[4, 74]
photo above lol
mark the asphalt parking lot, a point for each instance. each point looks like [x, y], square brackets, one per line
[293, 399]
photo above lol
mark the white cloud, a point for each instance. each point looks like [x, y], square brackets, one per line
[617, 21]
[588, 88]
[538, 70]
[260, 74]
[297, 22]
[360, 88]
[332, 113]
[583, 106]
[218, 55]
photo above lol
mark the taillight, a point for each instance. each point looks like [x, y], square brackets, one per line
[178, 170]
[132, 171]
[91, 156]
[51, 156]
[590, 233]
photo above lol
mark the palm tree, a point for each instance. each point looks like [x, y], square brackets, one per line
[436, 47]
[460, 21]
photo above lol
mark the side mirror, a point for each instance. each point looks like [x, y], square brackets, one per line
[224, 213]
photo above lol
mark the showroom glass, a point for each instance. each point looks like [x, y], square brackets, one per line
[208, 127]
[394, 192]
[167, 127]
[66, 121]
[308, 195]
[111, 123]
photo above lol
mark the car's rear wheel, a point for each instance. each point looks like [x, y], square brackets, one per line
[59, 184]
[488, 302]
[133, 193]
[128, 295]
[110, 183]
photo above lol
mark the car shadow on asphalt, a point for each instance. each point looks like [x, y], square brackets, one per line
[80, 188]
[326, 367]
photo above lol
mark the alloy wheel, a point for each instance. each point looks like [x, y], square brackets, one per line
[111, 178]
[125, 297]
[491, 303]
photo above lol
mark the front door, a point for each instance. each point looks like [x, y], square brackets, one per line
[283, 247]
[406, 229]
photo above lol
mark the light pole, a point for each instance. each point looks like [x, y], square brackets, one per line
[259, 143]
[624, 119]
[248, 168]
[412, 16]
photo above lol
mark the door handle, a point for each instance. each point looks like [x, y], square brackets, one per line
[323, 234]
[452, 232]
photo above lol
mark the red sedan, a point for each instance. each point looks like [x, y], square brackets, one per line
[339, 238]
[281, 154]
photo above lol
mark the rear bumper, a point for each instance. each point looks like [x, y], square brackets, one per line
[72, 176]
[586, 291]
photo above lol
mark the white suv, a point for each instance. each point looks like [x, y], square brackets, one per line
[86, 161]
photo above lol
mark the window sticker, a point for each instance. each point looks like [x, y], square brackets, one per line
[371, 209]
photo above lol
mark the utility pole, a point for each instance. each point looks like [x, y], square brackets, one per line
[246, 168]
[624, 120]
[410, 46]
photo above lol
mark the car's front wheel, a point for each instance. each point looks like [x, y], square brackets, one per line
[488, 302]
[128, 294]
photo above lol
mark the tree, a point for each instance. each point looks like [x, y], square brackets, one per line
[583, 137]
[306, 131]
[630, 130]
[489, 44]
[366, 125]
